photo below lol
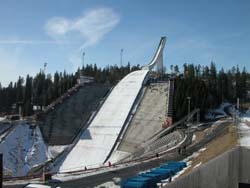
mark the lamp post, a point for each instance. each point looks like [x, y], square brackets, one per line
[121, 53]
[188, 122]
[189, 99]
[44, 67]
[83, 55]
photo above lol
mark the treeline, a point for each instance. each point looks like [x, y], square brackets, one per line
[42, 89]
[208, 87]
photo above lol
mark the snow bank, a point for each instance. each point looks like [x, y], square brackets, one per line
[2, 118]
[194, 155]
[218, 112]
[37, 186]
[115, 183]
[23, 149]
[199, 164]
[246, 116]
[244, 134]
[193, 138]
[54, 151]
[109, 184]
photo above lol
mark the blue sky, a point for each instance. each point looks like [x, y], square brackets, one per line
[58, 31]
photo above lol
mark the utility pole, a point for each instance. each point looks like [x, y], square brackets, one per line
[237, 112]
[121, 53]
[43, 98]
[188, 98]
[83, 55]
[44, 67]
[188, 122]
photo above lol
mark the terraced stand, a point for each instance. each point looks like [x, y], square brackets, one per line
[60, 126]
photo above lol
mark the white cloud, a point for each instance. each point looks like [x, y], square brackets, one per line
[31, 42]
[57, 26]
[91, 26]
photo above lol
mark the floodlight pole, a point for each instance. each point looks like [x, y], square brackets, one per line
[121, 53]
[83, 55]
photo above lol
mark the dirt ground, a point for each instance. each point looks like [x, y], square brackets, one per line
[214, 148]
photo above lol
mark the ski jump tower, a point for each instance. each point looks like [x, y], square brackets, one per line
[101, 137]
[157, 61]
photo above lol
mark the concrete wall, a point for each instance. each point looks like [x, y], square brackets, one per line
[226, 171]
[244, 170]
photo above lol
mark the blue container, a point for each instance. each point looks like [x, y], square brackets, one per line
[150, 179]
[155, 177]
[145, 182]
[134, 184]
[180, 163]
[175, 167]
[172, 169]
[164, 173]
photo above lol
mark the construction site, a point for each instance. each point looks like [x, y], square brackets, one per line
[125, 136]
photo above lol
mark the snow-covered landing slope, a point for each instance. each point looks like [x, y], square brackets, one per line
[97, 141]
[23, 149]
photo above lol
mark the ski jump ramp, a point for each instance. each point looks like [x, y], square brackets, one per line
[97, 141]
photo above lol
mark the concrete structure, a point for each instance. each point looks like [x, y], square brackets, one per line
[157, 61]
[97, 141]
[145, 122]
[226, 170]
[85, 80]
[61, 124]
[100, 139]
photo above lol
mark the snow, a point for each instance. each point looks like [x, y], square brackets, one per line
[244, 134]
[194, 155]
[2, 118]
[37, 186]
[111, 184]
[218, 112]
[193, 138]
[54, 151]
[196, 166]
[23, 149]
[202, 149]
[97, 141]
[246, 116]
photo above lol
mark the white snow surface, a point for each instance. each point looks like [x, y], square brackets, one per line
[54, 151]
[23, 149]
[115, 183]
[246, 116]
[37, 186]
[193, 138]
[108, 184]
[218, 112]
[97, 141]
[199, 164]
[244, 134]
[194, 155]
